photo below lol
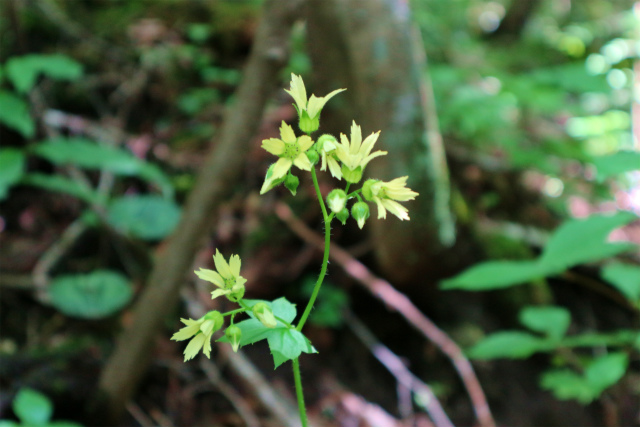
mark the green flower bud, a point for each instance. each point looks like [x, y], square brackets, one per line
[360, 212]
[291, 182]
[313, 156]
[336, 200]
[264, 315]
[343, 215]
[213, 321]
[366, 189]
[236, 294]
[307, 124]
[330, 140]
[233, 334]
[353, 176]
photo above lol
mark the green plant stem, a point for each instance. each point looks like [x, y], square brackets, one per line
[325, 260]
[301, 407]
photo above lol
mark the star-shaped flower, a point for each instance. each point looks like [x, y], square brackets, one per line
[355, 153]
[308, 109]
[291, 151]
[227, 278]
[201, 330]
[387, 195]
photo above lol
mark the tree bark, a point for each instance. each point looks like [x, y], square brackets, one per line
[130, 359]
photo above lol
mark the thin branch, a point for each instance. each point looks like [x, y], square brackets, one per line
[399, 302]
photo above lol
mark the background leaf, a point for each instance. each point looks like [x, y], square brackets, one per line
[32, 407]
[495, 275]
[23, 71]
[549, 320]
[61, 184]
[615, 164]
[566, 385]
[11, 169]
[146, 217]
[606, 370]
[287, 344]
[90, 296]
[14, 113]
[508, 344]
[625, 278]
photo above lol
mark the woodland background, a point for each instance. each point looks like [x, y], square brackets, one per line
[130, 138]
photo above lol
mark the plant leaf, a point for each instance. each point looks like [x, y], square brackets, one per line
[625, 278]
[508, 344]
[23, 71]
[62, 184]
[32, 407]
[14, 113]
[287, 344]
[566, 385]
[550, 320]
[148, 217]
[606, 370]
[90, 296]
[495, 275]
[617, 163]
[11, 169]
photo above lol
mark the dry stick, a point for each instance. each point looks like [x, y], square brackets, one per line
[216, 179]
[405, 377]
[398, 301]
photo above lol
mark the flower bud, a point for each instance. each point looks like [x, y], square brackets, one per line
[291, 182]
[233, 334]
[367, 191]
[343, 215]
[353, 176]
[326, 143]
[360, 212]
[313, 156]
[264, 315]
[236, 294]
[336, 200]
[213, 321]
[307, 124]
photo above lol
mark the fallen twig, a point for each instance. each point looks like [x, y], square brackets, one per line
[399, 302]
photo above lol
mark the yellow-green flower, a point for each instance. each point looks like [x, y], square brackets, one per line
[291, 151]
[227, 278]
[308, 110]
[387, 195]
[201, 330]
[356, 153]
[327, 146]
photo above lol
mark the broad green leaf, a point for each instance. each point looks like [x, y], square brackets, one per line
[495, 275]
[14, 113]
[566, 385]
[615, 164]
[621, 337]
[62, 184]
[549, 320]
[32, 407]
[508, 344]
[580, 241]
[11, 169]
[606, 370]
[281, 308]
[87, 154]
[23, 71]
[625, 278]
[287, 344]
[146, 217]
[98, 294]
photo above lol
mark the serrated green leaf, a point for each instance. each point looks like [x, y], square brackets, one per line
[23, 71]
[98, 294]
[580, 241]
[550, 320]
[287, 344]
[625, 278]
[616, 164]
[508, 344]
[62, 184]
[606, 370]
[11, 169]
[146, 217]
[495, 275]
[566, 385]
[32, 407]
[14, 113]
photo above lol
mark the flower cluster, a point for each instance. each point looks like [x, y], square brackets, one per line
[346, 159]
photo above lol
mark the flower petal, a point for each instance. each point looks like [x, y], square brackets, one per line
[396, 208]
[287, 134]
[334, 168]
[234, 265]
[316, 104]
[281, 168]
[207, 347]
[222, 266]
[305, 142]
[210, 276]
[219, 292]
[194, 347]
[302, 162]
[186, 332]
[356, 138]
[298, 91]
[273, 146]
[382, 212]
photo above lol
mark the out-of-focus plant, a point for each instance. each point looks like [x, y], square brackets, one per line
[34, 409]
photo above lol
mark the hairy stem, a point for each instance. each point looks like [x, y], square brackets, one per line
[299, 393]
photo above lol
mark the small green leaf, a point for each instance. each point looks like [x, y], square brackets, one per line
[11, 169]
[98, 294]
[23, 71]
[287, 344]
[508, 344]
[618, 163]
[625, 278]
[495, 275]
[606, 370]
[146, 217]
[14, 113]
[566, 385]
[549, 320]
[32, 407]
[62, 184]
[581, 241]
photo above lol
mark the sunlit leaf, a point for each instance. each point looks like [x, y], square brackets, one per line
[23, 71]
[550, 320]
[14, 113]
[32, 407]
[495, 275]
[606, 370]
[625, 277]
[508, 344]
[11, 169]
[618, 163]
